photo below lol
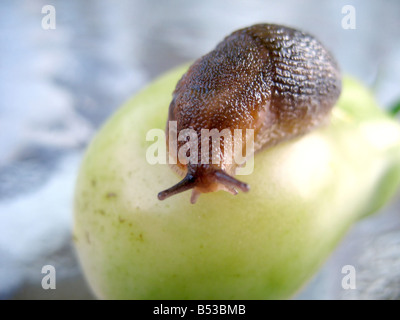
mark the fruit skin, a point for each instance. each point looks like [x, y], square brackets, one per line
[265, 244]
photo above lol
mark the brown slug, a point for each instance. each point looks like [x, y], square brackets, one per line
[273, 79]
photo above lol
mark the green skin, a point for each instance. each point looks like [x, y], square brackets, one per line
[264, 244]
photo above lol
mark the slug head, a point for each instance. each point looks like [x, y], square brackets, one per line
[203, 179]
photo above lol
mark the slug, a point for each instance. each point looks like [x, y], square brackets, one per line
[278, 81]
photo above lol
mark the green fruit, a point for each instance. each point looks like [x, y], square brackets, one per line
[264, 244]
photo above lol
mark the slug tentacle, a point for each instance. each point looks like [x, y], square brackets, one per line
[230, 182]
[187, 183]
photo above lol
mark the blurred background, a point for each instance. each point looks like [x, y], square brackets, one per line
[58, 86]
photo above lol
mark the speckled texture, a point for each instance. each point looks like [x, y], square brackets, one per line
[278, 81]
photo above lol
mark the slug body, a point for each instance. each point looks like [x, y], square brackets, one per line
[275, 80]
